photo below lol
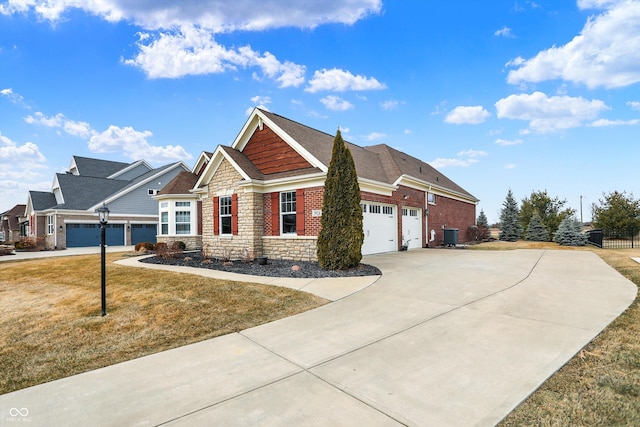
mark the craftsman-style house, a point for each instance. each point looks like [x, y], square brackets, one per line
[263, 195]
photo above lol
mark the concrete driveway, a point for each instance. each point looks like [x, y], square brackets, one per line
[445, 337]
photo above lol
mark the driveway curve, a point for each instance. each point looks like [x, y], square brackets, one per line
[444, 337]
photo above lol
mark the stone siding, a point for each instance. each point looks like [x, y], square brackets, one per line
[294, 248]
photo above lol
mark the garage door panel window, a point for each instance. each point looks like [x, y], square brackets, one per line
[183, 222]
[288, 212]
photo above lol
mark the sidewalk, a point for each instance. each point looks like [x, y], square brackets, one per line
[19, 255]
[445, 337]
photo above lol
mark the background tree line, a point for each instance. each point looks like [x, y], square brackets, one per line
[541, 217]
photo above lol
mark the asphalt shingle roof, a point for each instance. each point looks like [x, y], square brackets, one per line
[42, 200]
[97, 168]
[379, 162]
[81, 192]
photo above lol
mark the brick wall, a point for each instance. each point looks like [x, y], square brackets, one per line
[450, 213]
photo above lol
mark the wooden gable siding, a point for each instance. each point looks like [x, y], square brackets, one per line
[271, 154]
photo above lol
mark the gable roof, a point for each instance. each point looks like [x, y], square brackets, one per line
[180, 184]
[86, 166]
[378, 164]
[81, 192]
[17, 210]
[11, 218]
[41, 200]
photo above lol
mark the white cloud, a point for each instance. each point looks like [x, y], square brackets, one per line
[376, 135]
[193, 51]
[549, 114]
[606, 53]
[12, 154]
[261, 100]
[507, 142]
[635, 105]
[131, 142]
[215, 15]
[407, 131]
[503, 32]
[12, 96]
[443, 163]
[609, 123]
[134, 144]
[467, 115]
[335, 103]
[390, 104]
[510, 166]
[472, 153]
[337, 80]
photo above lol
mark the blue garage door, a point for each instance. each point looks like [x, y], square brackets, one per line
[82, 235]
[143, 233]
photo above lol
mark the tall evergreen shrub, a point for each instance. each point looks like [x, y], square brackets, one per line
[510, 228]
[340, 239]
[570, 233]
[536, 231]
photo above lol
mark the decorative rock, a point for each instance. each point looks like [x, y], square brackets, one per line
[296, 268]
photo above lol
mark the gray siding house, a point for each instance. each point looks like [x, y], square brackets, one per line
[65, 216]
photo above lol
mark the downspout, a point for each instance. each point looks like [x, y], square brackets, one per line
[55, 230]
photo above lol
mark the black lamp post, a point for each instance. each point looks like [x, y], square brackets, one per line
[103, 214]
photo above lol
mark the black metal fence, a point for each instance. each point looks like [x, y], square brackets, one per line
[614, 239]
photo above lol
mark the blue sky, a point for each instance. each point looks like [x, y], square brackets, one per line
[528, 95]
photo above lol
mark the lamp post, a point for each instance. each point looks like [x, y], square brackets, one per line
[103, 215]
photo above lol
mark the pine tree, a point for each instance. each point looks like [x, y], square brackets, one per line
[570, 233]
[483, 226]
[510, 228]
[536, 230]
[341, 236]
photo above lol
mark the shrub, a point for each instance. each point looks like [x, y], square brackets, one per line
[31, 244]
[144, 246]
[165, 251]
[510, 228]
[341, 235]
[536, 230]
[570, 233]
[178, 244]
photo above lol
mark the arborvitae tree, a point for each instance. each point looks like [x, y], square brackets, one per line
[536, 231]
[483, 226]
[341, 236]
[510, 228]
[570, 233]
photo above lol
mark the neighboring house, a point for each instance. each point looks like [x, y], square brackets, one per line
[12, 221]
[263, 194]
[180, 210]
[65, 216]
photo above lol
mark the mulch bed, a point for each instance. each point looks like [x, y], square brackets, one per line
[273, 268]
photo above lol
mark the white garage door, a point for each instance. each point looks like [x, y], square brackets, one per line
[412, 227]
[380, 224]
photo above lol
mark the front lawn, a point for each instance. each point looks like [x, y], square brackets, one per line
[51, 327]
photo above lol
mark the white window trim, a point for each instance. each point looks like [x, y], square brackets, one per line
[229, 215]
[51, 227]
[283, 213]
[169, 206]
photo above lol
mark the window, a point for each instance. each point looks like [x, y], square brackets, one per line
[183, 204]
[152, 192]
[374, 209]
[387, 210]
[364, 208]
[288, 212]
[413, 212]
[404, 212]
[225, 215]
[183, 222]
[50, 224]
[164, 222]
[431, 198]
[164, 204]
